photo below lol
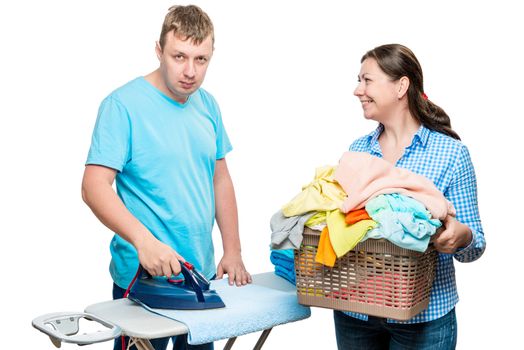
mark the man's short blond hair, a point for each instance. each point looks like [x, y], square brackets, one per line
[189, 22]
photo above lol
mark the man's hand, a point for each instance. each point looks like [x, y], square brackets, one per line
[452, 236]
[234, 267]
[158, 258]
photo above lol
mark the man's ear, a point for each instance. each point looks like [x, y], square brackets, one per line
[158, 50]
[403, 86]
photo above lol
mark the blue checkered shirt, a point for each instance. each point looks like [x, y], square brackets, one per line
[447, 163]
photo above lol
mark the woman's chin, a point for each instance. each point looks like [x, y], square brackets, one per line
[369, 116]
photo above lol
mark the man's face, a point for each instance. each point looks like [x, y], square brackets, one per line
[183, 65]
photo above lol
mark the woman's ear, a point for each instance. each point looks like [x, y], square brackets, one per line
[403, 86]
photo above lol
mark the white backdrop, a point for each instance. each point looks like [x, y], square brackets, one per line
[283, 73]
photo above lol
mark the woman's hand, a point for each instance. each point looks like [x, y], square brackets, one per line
[452, 236]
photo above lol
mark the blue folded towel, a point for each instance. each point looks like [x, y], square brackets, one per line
[279, 258]
[289, 253]
[289, 275]
[250, 308]
[284, 264]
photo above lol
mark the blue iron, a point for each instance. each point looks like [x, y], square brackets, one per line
[190, 293]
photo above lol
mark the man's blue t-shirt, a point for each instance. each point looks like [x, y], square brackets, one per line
[165, 154]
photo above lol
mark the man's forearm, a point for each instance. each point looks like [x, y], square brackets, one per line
[226, 210]
[99, 195]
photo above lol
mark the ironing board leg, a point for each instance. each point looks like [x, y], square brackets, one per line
[144, 344]
[230, 343]
[258, 345]
[141, 344]
[262, 339]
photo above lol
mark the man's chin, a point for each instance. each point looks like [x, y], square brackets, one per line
[187, 91]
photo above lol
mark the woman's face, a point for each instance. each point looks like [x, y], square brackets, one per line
[378, 94]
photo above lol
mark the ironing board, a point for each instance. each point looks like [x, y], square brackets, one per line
[141, 325]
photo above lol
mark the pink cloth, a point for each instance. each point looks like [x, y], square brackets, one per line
[363, 176]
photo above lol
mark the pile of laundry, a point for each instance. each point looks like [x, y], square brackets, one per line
[363, 197]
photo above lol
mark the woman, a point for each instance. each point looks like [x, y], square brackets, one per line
[416, 134]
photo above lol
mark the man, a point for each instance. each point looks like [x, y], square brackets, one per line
[161, 137]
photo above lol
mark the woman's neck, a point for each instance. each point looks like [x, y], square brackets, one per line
[396, 136]
[400, 131]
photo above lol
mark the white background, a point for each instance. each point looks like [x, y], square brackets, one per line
[283, 73]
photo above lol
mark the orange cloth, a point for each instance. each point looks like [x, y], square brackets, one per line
[325, 252]
[357, 215]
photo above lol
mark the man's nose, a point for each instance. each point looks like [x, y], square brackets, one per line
[189, 69]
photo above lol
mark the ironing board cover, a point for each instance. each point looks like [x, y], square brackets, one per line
[251, 308]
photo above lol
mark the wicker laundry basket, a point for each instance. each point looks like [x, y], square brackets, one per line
[376, 278]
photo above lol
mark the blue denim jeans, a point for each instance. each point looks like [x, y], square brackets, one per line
[377, 334]
[179, 342]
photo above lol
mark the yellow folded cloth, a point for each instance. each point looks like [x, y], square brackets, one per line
[345, 237]
[322, 194]
[316, 219]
